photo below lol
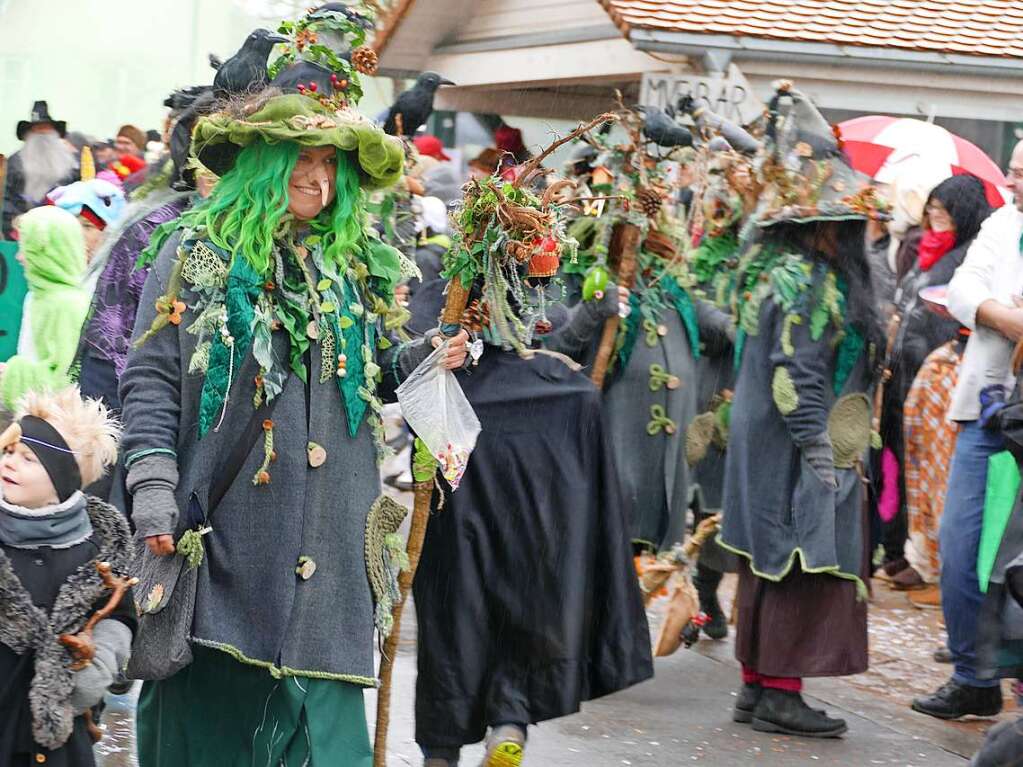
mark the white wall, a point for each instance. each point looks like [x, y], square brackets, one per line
[102, 63]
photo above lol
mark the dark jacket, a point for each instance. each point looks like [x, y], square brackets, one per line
[921, 331]
[65, 586]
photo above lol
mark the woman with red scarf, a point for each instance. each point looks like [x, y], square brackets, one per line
[952, 217]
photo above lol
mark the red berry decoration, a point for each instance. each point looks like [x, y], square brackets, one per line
[549, 245]
[312, 87]
[301, 88]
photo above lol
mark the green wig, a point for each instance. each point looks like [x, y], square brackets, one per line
[249, 208]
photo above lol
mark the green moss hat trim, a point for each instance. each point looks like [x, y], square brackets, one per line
[219, 137]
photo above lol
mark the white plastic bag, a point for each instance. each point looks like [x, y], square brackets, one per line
[433, 404]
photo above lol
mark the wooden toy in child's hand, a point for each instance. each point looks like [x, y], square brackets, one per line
[81, 645]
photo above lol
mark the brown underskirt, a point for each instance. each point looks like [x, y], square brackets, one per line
[802, 626]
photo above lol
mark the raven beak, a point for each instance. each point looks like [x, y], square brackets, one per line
[277, 39]
[445, 81]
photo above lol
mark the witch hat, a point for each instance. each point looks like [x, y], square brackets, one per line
[40, 116]
[806, 176]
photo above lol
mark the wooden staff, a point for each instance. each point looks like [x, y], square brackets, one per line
[886, 372]
[625, 241]
[424, 469]
[82, 646]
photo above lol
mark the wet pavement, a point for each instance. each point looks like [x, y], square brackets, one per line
[683, 715]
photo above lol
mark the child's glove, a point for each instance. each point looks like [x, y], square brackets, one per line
[113, 645]
[152, 481]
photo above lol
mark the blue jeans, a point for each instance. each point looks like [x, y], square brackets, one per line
[959, 539]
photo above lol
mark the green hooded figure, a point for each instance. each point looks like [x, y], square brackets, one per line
[53, 255]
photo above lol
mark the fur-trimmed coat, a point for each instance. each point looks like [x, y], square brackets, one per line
[44, 593]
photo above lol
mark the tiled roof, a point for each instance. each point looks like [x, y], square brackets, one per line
[963, 27]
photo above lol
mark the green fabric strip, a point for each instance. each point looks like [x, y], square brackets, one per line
[139, 454]
[687, 313]
[351, 329]
[243, 286]
[279, 672]
[835, 571]
[627, 334]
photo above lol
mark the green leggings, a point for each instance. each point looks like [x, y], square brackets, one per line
[218, 712]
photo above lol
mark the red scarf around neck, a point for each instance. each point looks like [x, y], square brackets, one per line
[934, 245]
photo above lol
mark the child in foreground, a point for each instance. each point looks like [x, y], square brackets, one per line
[60, 554]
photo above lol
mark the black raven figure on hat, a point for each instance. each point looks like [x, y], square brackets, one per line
[246, 70]
[414, 105]
[659, 126]
[324, 11]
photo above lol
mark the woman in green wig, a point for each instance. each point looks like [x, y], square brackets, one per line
[266, 344]
[52, 252]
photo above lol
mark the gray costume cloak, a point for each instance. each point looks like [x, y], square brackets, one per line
[647, 408]
[783, 498]
[258, 597]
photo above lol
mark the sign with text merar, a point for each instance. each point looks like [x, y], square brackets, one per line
[727, 94]
[12, 296]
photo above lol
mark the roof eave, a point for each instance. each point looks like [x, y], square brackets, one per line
[690, 44]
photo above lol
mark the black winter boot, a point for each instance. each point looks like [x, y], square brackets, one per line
[954, 701]
[746, 702]
[787, 713]
[707, 581]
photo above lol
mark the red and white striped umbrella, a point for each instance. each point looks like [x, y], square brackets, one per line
[881, 146]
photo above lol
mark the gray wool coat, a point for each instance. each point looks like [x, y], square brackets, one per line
[652, 468]
[776, 505]
[251, 601]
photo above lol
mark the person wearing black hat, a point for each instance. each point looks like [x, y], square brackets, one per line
[43, 163]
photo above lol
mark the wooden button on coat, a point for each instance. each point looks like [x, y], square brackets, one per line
[40, 758]
[312, 331]
[317, 455]
[673, 382]
[662, 330]
[306, 568]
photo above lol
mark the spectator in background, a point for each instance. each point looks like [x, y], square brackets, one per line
[43, 162]
[485, 163]
[52, 251]
[103, 153]
[106, 335]
[984, 296]
[96, 204]
[908, 193]
[431, 146]
[130, 140]
[953, 214]
[77, 141]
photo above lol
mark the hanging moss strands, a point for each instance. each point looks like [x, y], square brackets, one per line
[190, 547]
